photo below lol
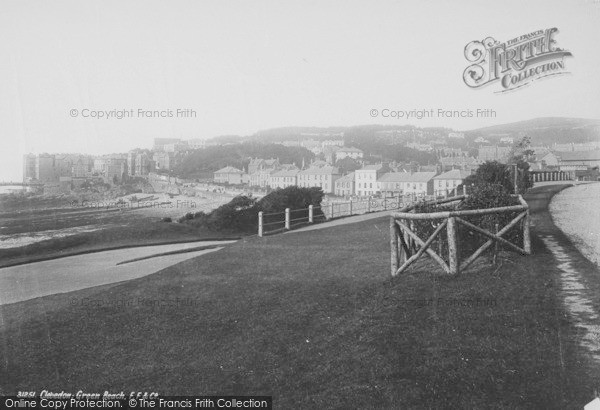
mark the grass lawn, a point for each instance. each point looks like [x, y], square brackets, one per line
[313, 319]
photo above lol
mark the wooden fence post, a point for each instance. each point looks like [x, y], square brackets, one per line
[526, 234]
[260, 224]
[331, 217]
[496, 247]
[287, 219]
[310, 214]
[368, 205]
[350, 206]
[394, 245]
[452, 246]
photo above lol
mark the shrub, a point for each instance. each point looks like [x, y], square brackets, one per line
[496, 173]
[482, 197]
[241, 213]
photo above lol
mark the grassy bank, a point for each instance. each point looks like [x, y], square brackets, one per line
[140, 233]
[313, 319]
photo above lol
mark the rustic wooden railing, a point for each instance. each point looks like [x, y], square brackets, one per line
[407, 246]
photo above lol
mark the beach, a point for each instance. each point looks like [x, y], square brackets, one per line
[576, 212]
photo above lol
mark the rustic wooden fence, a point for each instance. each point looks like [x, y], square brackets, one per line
[407, 246]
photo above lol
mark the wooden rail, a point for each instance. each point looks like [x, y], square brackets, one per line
[404, 240]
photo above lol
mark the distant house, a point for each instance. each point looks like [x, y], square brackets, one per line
[159, 143]
[164, 160]
[449, 181]
[456, 135]
[493, 153]
[228, 175]
[345, 185]
[319, 163]
[351, 152]
[406, 183]
[332, 143]
[507, 140]
[321, 177]
[577, 160]
[284, 178]
[449, 163]
[366, 179]
[549, 160]
[420, 147]
[480, 140]
[262, 177]
[256, 164]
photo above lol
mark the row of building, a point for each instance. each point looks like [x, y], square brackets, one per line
[367, 181]
[77, 168]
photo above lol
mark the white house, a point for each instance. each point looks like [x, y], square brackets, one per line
[284, 178]
[262, 177]
[322, 177]
[228, 175]
[406, 183]
[449, 181]
[366, 179]
[346, 152]
[344, 186]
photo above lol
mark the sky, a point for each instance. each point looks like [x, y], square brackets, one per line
[246, 66]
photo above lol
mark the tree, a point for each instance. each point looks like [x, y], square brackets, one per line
[496, 173]
[347, 165]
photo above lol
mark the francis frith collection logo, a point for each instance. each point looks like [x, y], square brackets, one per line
[514, 63]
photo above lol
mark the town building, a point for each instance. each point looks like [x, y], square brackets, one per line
[284, 178]
[344, 186]
[366, 179]
[577, 160]
[322, 177]
[164, 160]
[406, 183]
[420, 147]
[196, 143]
[494, 153]
[173, 147]
[262, 177]
[29, 168]
[159, 143]
[332, 143]
[468, 163]
[45, 170]
[257, 164]
[228, 175]
[448, 182]
[348, 152]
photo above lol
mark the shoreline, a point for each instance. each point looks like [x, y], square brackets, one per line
[576, 213]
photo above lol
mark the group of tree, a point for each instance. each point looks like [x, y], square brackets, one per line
[203, 162]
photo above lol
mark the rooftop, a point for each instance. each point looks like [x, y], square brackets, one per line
[229, 170]
[349, 149]
[346, 178]
[454, 174]
[578, 155]
[328, 170]
[407, 177]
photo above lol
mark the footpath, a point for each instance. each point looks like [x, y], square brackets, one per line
[579, 277]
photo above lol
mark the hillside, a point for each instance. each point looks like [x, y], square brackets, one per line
[546, 130]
